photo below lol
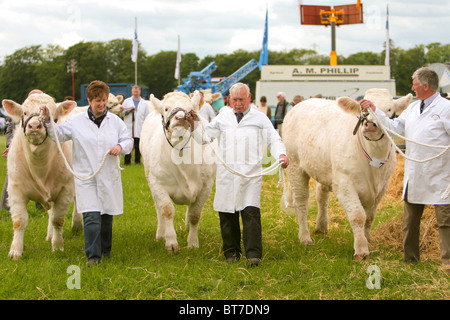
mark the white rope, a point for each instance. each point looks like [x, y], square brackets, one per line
[386, 131]
[58, 144]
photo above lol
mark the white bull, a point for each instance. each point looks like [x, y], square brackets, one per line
[178, 170]
[357, 167]
[36, 170]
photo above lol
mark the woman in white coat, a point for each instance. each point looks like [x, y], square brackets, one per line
[93, 133]
[427, 121]
[241, 132]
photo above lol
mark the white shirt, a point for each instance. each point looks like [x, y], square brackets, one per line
[207, 112]
[241, 147]
[104, 192]
[141, 112]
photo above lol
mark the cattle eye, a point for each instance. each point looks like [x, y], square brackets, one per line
[166, 109]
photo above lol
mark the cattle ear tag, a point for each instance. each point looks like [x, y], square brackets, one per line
[377, 163]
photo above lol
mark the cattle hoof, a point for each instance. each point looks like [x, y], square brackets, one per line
[15, 255]
[306, 240]
[173, 249]
[322, 232]
[361, 258]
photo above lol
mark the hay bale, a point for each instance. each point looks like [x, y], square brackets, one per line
[390, 233]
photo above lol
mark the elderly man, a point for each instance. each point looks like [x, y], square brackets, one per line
[241, 132]
[428, 121]
[136, 110]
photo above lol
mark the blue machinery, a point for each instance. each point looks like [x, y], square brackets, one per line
[202, 80]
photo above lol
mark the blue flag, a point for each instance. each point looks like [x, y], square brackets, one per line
[264, 55]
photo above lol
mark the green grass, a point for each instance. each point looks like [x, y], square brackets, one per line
[140, 268]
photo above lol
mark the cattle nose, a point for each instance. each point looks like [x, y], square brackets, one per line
[180, 115]
[34, 126]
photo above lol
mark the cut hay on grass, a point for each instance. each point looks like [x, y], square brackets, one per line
[389, 233]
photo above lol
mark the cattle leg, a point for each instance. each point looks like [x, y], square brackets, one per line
[299, 181]
[166, 229]
[192, 219]
[56, 224]
[77, 219]
[370, 216]
[19, 217]
[348, 198]
[323, 197]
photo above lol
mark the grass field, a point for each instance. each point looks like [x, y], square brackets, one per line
[141, 269]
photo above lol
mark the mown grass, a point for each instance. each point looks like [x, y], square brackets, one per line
[141, 269]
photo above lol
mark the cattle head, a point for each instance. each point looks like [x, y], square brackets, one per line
[115, 105]
[32, 121]
[383, 100]
[174, 108]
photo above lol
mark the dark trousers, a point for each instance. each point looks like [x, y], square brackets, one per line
[137, 153]
[251, 231]
[411, 230]
[97, 235]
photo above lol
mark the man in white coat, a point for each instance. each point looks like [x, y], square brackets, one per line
[136, 110]
[241, 132]
[427, 121]
[94, 133]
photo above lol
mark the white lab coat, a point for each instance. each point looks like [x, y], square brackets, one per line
[207, 112]
[426, 181]
[241, 147]
[139, 116]
[104, 192]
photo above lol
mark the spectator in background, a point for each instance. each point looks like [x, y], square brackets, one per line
[296, 100]
[136, 110]
[264, 108]
[280, 111]
[206, 110]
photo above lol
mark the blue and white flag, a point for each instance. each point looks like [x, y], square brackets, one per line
[264, 55]
[134, 52]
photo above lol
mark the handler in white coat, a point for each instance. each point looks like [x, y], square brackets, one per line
[136, 110]
[428, 121]
[241, 132]
[93, 133]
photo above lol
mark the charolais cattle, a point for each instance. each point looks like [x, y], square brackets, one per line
[333, 143]
[177, 169]
[36, 170]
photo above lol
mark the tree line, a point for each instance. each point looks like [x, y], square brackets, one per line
[47, 68]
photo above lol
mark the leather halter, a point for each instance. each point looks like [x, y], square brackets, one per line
[364, 118]
[41, 121]
[167, 124]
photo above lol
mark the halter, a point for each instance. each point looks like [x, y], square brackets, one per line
[364, 118]
[41, 121]
[167, 124]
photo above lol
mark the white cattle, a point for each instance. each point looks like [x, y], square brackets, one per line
[36, 170]
[178, 170]
[321, 144]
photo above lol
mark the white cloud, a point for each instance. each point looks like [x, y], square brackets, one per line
[209, 27]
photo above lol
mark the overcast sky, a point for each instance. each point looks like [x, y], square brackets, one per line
[209, 27]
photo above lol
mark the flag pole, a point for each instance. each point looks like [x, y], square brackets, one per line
[135, 62]
[178, 61]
